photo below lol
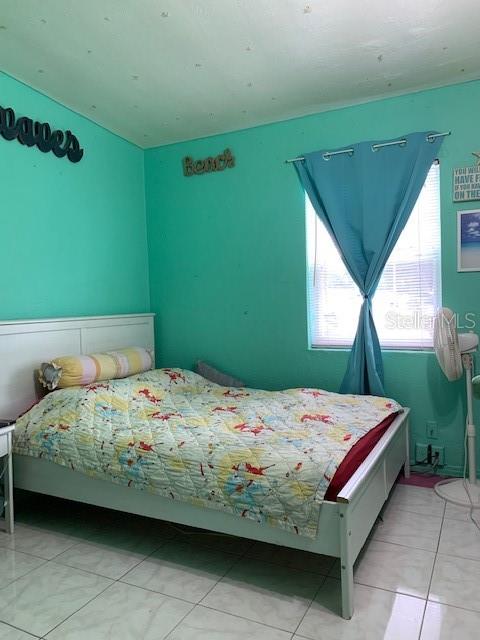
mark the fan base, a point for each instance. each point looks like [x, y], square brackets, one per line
[454, 491]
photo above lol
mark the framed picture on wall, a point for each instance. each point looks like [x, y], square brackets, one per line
[468, 240]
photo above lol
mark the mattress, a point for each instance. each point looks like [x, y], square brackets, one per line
[263, 455]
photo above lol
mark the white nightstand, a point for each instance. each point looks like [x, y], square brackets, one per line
[6, 471]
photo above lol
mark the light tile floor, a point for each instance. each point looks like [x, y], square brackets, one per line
[74, 572]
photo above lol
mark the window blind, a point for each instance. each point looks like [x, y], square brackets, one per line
[409, 291]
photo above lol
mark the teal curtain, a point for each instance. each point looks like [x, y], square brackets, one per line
[365, 198]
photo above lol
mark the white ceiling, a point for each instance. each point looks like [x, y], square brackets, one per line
[160, 71]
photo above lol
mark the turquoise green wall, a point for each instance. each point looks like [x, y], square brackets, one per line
[73, 236]
[227, 254]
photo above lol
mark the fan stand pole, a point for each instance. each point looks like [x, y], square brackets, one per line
[459, 491]
[472, 464]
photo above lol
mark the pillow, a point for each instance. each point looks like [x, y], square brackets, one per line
[214, 375]
[72, 371]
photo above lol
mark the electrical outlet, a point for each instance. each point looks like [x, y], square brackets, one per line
[421, 452]
[441, 455]
[432, 429]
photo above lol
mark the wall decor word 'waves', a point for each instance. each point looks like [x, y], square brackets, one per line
[40, 134]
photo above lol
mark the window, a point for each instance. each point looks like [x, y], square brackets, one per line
[409, 291]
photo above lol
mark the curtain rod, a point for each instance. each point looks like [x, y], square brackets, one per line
[328, 154]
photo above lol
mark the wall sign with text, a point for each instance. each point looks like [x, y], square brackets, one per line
[39, 134]
[193, 167]
[466, 184]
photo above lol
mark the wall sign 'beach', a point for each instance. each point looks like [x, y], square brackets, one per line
[39, 134]
[466, 184]
[193, 167]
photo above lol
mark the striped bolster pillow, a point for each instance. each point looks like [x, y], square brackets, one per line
[81, 370]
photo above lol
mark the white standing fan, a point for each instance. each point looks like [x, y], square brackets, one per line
[454, 353]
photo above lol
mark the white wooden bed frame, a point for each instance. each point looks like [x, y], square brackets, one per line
[343, 526]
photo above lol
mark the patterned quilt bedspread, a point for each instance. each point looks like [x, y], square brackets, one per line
[264, 455]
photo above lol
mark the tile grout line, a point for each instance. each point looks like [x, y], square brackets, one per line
[119, 579]
[325, 578]
[24, 574]
[161, 593]
[113, 581]
[369, 586]
[54, 560]
[236, 615]
[417, 513]
[240, 557]
[294, 567]
[433, 571]
[453, 606]
[452, 555]
[77, 610]
[28, 553]
[12, 626]
[33, 555]
[398, 544]
[178, 623]
[425, 600]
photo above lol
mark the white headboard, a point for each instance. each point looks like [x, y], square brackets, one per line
[25, 344]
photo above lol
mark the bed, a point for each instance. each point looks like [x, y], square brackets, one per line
[337, 524]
